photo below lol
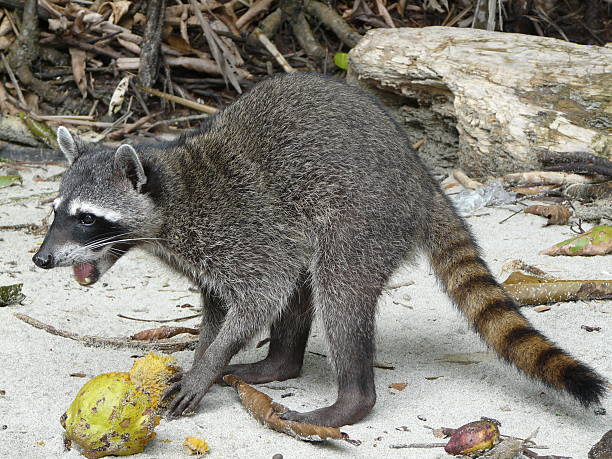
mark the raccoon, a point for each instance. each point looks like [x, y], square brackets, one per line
[299, 199]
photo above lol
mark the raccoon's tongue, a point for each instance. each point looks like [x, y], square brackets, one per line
[85, 273]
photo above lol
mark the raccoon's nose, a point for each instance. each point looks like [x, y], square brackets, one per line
[43, 261]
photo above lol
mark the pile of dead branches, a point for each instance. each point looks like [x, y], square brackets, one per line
[125, 67]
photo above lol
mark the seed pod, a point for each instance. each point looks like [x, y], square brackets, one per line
[473, 437]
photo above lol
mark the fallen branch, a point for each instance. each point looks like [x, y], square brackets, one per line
[465, 180]
[544, 178]
[266, 411]
[532, 290]
[578, 161]
[166, 346]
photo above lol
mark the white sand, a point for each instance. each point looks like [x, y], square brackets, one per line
[412, 334]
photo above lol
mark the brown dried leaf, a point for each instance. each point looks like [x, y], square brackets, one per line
[541, 308]
[398, 386]
[179, 43]
[6, 41]
[556, 214]
[78, 58]
[266, 411]
[118, 7]
[163, 332]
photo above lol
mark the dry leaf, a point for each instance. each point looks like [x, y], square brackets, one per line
[118, 7]
[398, 386]
[525, 289]
[6, 41]
[5, 26]
[556, 213]
[266, 411]
[78, 58]
[118, 95]
[541, 308]
[597, 241]
[163, 332]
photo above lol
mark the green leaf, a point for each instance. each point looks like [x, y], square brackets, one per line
[341, 60]
[8, 180]
[11, 294]
[597, 241]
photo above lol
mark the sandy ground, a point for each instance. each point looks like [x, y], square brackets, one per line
[417, 327]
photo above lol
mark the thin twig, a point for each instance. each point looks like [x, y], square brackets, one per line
[180, 100]
[163, 345]
[180, 120]
[13, 80]
[119, 134]
[160, 321]
[273, 50]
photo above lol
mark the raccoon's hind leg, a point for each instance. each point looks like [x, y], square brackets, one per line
[288, 337]
[347, 280]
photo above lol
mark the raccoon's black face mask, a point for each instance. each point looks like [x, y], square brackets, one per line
[100, 211]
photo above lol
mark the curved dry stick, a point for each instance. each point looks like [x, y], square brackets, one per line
[254, 10]
[266, 411]
[166, 346]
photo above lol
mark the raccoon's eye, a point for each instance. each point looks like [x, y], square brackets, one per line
[87, 219]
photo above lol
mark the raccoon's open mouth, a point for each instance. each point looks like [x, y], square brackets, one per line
[86, 273]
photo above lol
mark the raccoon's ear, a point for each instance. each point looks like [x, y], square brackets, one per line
[67, 144]
[128, 164]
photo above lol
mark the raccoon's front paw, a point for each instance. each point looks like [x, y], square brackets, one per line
[191, 387]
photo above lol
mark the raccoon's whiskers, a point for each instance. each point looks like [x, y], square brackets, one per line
[115, 241]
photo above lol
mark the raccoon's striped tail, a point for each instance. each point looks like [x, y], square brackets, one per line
[456, 261]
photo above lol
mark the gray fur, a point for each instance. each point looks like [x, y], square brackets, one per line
[299, 199]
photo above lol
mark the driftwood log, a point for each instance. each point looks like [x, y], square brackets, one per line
[503, 97]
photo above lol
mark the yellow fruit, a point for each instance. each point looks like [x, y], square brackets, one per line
[152, 373]
[473, 437]
[195, 445]
[110, 416]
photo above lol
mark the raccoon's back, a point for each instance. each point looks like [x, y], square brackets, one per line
[314, 139]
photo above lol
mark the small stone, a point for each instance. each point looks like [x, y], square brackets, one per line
[277, 456]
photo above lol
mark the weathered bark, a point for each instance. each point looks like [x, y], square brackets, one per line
[509, 95]
[151, 48]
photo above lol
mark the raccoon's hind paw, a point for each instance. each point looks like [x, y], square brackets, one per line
[336, 415]
[189, 390]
